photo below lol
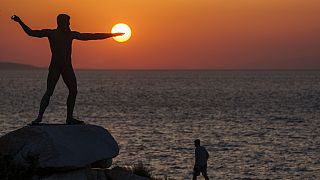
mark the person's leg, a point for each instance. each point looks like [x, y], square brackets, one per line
[205, 176]
[194, 176]
[52, 79]
[70, 80]
[204, 173]
[195, 173]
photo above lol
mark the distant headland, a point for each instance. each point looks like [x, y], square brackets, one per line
[16, 66]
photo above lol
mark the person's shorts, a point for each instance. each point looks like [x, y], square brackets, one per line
[198, 169]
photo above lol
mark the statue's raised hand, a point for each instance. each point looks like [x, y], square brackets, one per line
[16, 18]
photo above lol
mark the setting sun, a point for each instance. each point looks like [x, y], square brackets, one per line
[122, 28]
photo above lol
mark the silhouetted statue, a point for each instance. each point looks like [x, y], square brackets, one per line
[60, 40]
[201, 158]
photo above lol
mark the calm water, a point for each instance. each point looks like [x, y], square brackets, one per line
[255, 125]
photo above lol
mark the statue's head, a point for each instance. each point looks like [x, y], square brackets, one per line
[63, 21]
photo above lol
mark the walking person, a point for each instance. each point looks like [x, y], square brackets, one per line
[201, 159]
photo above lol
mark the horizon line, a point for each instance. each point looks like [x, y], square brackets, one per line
[171, 69]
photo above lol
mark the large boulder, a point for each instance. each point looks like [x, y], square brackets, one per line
[60, 146]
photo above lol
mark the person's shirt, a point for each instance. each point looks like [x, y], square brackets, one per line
[201, 156]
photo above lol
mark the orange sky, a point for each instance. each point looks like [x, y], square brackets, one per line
[188, 34]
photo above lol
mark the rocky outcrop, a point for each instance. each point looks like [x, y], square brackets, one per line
[62, 147]
[60, 152]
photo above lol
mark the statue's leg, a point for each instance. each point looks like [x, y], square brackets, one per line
[52, 79]
[70, 80]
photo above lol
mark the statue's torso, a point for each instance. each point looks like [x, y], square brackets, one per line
[61, 48]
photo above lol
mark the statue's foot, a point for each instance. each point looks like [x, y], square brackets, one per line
[36, 121]
[73, 121]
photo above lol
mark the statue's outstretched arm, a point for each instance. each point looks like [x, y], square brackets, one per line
[28, 30]
[94, 36]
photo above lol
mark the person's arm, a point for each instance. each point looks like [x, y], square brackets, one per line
[94, 36]
[207, 155]
[29, 31]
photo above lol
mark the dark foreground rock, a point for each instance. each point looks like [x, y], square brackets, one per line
[60, 147]
[118, 174]
[80, 174]
[94, 174]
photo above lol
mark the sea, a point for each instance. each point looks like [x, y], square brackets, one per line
[254, 124]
